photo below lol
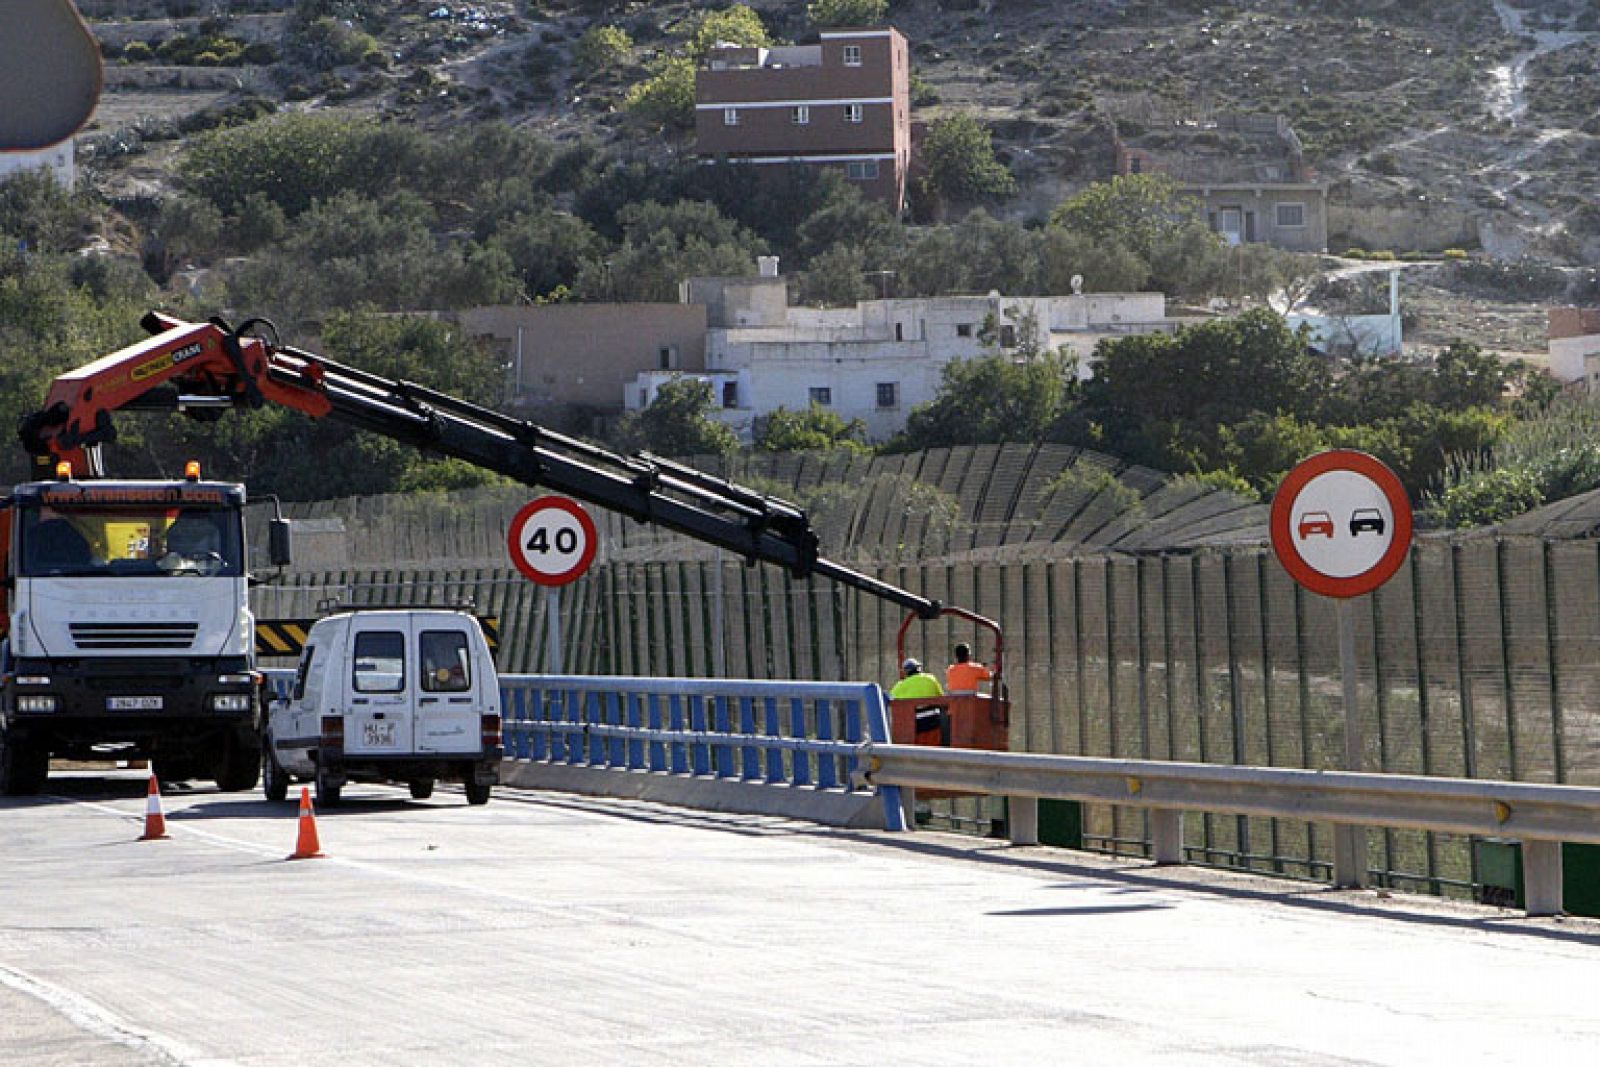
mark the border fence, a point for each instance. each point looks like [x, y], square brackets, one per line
[1480, 659]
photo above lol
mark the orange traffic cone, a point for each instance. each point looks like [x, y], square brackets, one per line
[308, 847]
[155, 823]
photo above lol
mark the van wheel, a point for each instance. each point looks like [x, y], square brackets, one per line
[421, 788]
[240, 766]
[274, 779]
[23, 768]
[327, 792]
[478, 794]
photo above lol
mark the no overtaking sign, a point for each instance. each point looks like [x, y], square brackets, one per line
[1341, 523]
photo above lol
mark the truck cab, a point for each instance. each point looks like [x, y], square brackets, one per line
[127, 630]
[389, 695]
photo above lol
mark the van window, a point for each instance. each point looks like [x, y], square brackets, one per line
[305, 669]
[380, 662]
[446, 667]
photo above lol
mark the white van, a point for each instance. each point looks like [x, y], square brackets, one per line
[397, 695]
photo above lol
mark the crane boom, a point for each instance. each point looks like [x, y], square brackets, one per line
[199, 367]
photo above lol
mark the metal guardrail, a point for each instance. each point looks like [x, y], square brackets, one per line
[1541, 816]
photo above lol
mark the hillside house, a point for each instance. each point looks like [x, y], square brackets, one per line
[844, 103]
[1248, 172]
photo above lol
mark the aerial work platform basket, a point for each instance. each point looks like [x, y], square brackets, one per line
[970, 720]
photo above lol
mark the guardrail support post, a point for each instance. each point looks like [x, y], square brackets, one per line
[1022, 817]
[1349, 856]
[1541, 876]
[1166, 835]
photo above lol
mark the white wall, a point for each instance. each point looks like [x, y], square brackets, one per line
[58, 159]
[1568, 356]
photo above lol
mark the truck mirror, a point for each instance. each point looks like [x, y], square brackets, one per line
[280, 542]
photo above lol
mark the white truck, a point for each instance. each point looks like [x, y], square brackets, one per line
[388, 695]
[127, 630]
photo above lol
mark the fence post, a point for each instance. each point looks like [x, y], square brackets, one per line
[1022, 817]
[1166, 835]
[1542, 877]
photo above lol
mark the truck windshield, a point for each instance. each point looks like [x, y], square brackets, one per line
[147, 542]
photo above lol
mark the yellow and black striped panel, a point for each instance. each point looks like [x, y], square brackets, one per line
[286, 637]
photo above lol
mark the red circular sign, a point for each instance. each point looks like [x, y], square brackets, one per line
[1341, 523]
[552, 540]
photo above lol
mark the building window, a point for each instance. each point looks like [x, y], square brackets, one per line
[730, 116]
[852, 55]
[853, 112]
[1135, 165]
[821, 396]
[963, 329]
[667, 357]
[730, 394]
[1291, 215]
[861, 169]
[800, 116]
[888, 394]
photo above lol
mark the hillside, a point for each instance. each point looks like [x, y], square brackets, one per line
[1469, 125]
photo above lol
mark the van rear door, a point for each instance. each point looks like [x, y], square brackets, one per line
[382, 692]
[449, 686]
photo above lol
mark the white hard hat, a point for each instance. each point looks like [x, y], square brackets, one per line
[911, 666]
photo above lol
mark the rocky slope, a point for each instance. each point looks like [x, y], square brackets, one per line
[1473, 124]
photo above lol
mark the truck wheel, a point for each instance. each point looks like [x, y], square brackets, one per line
[327, 792]
[274, 779]
[421, 788]
[24, 768]
[240, 766]
[478, 794]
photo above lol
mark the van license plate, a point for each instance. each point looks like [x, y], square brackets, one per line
[378, 734]
[133, 703]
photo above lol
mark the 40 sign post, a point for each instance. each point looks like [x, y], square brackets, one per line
[1341, 527]
[552, 541]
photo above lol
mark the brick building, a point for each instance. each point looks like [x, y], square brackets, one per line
[844, 103]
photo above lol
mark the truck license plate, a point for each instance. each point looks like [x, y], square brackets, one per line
[378, 734]
[133, 703]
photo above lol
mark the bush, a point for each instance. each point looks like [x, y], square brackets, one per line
[138, 52]
[602, 47]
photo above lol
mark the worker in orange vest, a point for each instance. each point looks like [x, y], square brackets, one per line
[962, 676]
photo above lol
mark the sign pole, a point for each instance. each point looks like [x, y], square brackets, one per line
[1349, 841]
[1341, 527]
[552, 629]
[552, 541]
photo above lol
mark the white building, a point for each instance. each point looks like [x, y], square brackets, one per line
[878, 360]
[58, 159]
[1574, 346]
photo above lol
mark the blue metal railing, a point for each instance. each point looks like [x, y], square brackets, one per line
[799, 734]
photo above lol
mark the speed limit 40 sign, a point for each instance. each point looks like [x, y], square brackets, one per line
[1341, 523]
[552, 540]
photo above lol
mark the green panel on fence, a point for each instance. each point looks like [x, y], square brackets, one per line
[1061, 823]
[1500, 875]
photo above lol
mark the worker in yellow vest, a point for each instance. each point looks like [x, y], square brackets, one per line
[915, 683]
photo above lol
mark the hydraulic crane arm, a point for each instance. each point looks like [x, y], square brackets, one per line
[208, 366]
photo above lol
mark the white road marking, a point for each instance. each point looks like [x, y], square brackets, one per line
[102, 1022]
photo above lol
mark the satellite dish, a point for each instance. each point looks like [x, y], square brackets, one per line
[49, 74]
[1077, 285]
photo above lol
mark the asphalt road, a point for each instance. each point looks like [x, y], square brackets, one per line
[549, 929]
